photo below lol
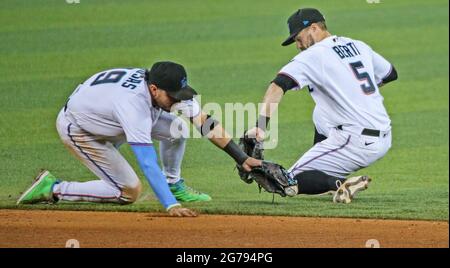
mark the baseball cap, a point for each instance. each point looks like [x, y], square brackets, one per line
[301, 19]
[172, 78]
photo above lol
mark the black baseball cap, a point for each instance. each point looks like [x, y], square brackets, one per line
[172, 78]
[300, 20]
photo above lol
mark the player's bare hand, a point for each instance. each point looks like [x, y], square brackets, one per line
[257, 133]
[182, 212]
[251, 163]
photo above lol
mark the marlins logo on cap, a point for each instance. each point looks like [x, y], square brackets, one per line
[184, 82]
[300, 20]
[172, 78]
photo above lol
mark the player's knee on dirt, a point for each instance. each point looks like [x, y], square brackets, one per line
[131, 193]
[316, 182]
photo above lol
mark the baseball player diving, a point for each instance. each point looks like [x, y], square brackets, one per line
[353, 129]
[132, 105]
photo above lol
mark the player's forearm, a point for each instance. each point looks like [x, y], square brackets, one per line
[211, 128]
[222, 139]
[219, 137]
[272, 98]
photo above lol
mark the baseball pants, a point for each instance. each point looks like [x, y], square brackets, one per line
[345, 151]
[117, 181]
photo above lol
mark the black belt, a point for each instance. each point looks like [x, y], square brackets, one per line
[367, 132]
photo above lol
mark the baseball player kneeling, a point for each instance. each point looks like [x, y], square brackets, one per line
[132, 105]
[353, 129]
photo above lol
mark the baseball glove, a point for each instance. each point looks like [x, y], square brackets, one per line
[252, 148]
[274, 179]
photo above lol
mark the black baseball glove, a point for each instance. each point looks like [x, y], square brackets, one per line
[274, 179]
[252, 148]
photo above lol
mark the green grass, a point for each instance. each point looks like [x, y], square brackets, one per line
[231, 50]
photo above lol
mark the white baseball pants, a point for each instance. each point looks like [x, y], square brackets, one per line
[343, 152]
[117, 181]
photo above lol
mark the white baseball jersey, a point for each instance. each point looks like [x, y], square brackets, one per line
[342, 76]
[117, 102]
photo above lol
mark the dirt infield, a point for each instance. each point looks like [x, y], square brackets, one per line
[19, 228]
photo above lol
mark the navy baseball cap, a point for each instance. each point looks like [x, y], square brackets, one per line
[300, 20]
[172, 78]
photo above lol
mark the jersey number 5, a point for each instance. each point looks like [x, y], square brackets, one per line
[368, 86]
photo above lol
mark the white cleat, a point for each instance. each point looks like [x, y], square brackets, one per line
[347, 190]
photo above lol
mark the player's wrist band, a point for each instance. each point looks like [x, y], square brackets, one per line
[209, 124]
[263, 122]
[233, 150]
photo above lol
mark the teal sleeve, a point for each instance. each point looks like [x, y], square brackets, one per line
[148, 162]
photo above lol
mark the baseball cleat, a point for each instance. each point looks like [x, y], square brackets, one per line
[185, 193]
[40, 191]
[347, 190]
